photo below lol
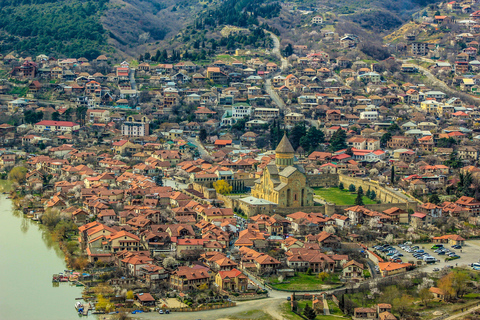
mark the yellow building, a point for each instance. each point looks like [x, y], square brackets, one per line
[283, 182]
[430, 106]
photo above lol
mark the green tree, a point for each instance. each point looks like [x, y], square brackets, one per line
[454, 162]
[32, 116]
[309, 313]
[338, 140]
[359, 198]
[203, 134]
[403, 305]
[351, 188]
[55, 116]
[464, 185]
[288, 50]
[296, 135]
[446, 143]
[392, 175]
[425, 296]
[434, 199]
[459, 283]
[387, 136]
[360, 191]
[240, 124]
[373, 195]
[340, 186]
[312, 139]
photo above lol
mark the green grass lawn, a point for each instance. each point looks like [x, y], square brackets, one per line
[334, 309]
[340, 197]
[302, 281]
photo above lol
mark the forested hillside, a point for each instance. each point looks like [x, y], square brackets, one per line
[70, 28]
[127, 28]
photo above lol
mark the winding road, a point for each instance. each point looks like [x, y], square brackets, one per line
[276, 51]
[437, 81]
[268, 82]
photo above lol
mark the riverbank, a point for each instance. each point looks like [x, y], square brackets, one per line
[29, 258]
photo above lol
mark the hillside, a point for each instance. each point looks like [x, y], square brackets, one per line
[70, 28]
[135, 25]
[128, 28]
[90, 27]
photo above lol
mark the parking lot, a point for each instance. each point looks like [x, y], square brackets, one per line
[468, 254]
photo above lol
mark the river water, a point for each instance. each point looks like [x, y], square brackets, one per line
[28, 259]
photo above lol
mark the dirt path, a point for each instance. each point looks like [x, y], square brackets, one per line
[456, 316]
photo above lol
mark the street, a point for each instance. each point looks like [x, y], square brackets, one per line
[276, 51]
[201, 149]
[274, 95]
[436, 81]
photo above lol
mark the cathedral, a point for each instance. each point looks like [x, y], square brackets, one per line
[284, 182]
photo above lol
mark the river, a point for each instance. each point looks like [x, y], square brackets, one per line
[27, 262]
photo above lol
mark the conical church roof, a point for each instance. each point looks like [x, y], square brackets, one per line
[284, 146]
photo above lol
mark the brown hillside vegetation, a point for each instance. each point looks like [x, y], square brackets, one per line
[133, 24]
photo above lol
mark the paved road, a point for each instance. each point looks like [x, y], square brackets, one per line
[284, 65]
[436, 81]
[200, 147]
[275, 97]
[371, 266]
[276, 51]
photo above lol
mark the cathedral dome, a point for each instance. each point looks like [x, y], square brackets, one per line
[284, 146]
[284, 153]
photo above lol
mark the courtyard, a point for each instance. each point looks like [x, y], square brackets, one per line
[340, 197]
